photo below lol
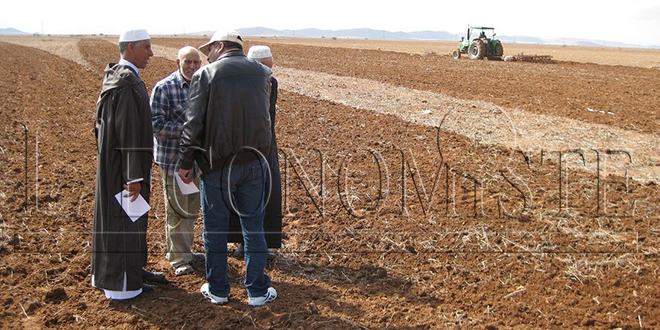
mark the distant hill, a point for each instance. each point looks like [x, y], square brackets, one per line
[349, 33]
[12, 32]
[252, 32]
[365, 33]
[260, 32]
[434, 35]
[521, 39]
[370, 34]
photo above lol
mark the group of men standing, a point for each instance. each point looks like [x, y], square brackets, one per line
[213, 126]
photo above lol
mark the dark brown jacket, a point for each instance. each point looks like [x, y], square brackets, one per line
[227, 114]
[124, 144]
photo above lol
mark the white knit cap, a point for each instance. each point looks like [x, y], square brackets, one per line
[134, 35]
[259, 52]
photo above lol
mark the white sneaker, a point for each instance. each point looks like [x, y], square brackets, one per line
[270, 295]
[213, 298]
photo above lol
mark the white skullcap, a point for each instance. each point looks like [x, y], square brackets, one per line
[134, 35]
[259, 52]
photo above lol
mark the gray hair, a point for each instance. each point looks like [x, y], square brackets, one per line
[185, 51]
[124, 45]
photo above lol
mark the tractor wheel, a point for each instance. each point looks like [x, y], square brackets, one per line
[498, 51]
[477, 50]
[456, 54]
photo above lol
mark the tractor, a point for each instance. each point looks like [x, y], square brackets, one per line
[478, 47]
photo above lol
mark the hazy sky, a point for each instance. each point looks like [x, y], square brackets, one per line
[631, 21]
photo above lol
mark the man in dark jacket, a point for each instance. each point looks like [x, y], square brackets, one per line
[228, 133]
[124, 145]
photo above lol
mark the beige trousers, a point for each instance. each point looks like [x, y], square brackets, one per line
[180, 214]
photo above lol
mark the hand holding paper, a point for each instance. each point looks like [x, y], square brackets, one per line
[185, 175]
[133, 190]
[186, 188]
[134, 209]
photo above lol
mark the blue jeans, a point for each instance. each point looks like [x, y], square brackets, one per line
[246, 184]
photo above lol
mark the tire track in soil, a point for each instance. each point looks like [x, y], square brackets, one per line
[65, 47]
[55, 98]
[565, 89]
[479, 120]
[543, 131]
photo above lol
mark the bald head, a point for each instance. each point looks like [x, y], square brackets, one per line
[188, 61]
[187, 50]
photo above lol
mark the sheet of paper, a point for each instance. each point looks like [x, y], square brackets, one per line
[134, 209]
[186, 188]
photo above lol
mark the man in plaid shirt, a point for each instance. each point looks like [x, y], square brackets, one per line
[168, 112]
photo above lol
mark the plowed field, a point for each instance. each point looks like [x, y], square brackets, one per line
[391, 222]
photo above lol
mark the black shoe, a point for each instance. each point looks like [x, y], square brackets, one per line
[148, 288]
[271, 255]
[154, 277]
[240, 251]
[198, 256]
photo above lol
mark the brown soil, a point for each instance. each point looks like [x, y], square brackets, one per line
[562, 89]
[559, 262]
[638, 57]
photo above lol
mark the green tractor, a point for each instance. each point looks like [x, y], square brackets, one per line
[478, 47]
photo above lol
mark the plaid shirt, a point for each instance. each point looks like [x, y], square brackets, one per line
[168, 113]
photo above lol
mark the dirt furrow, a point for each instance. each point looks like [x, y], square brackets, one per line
[479, 120]
[542, 255]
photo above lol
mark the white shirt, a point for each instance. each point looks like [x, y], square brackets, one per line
[120, 295]
[125, 62]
